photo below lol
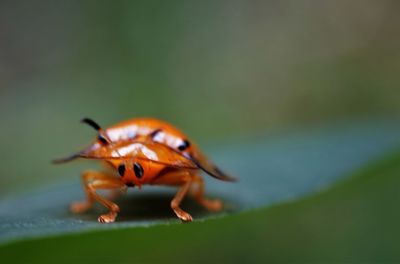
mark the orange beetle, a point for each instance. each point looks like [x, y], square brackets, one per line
[144, 151]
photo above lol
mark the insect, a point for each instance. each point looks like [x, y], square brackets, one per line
[144, 151]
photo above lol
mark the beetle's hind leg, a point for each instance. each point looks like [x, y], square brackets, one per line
[93, 180]
[198, 193]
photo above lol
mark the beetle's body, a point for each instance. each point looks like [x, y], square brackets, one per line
[129, 136]
[143, 127]
[145, 151]
[132, 151]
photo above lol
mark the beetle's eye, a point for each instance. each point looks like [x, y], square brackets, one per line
[185, 144]
[121, 169]
[138, 169]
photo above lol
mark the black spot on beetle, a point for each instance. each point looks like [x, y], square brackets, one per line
[155, 133]
[121, 169]
[138, 169]
[130, 184]
[185, 144]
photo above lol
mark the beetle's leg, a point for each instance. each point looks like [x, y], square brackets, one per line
[182, 178]
[185, 179]
[211, 205]
[88, 177]
[115, 193]
[184, 216]
[92, 181]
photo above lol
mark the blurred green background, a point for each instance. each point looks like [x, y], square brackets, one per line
[225, 72]
[220, 70]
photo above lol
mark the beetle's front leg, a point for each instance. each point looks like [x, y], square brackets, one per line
[92, 181]
[185, 179]
[184, 216]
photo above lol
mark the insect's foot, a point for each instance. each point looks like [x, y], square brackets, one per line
[107, 218]
[80, 207]
[185, 217]
[213, 205]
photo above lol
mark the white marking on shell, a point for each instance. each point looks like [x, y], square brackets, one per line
[134, 150]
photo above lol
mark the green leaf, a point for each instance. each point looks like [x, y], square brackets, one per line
[328, 226]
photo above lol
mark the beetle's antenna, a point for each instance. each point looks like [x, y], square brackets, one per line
[91, 123]
[103, 137]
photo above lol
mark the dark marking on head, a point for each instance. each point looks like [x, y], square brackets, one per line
[138, 169]
[130, 184]
[121, 169]
[103, 140]
[155, 133]
[185, 144]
